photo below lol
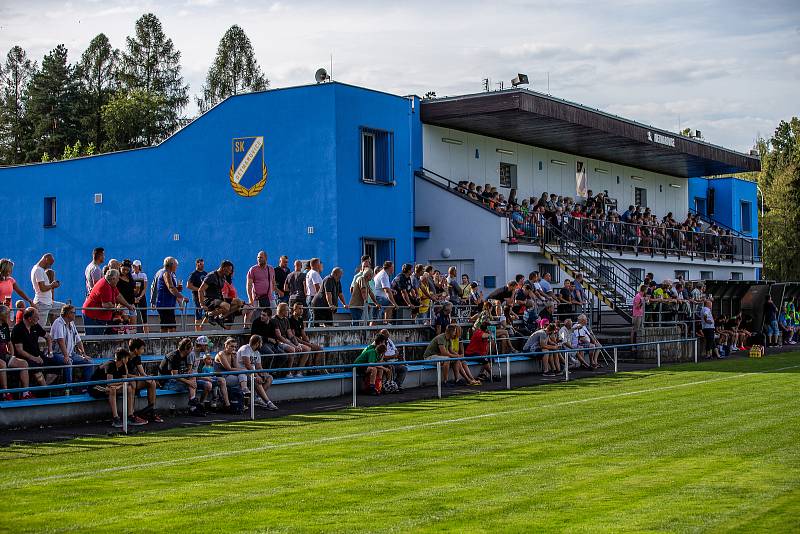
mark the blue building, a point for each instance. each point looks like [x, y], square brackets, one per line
[336, 171]
[330, 174]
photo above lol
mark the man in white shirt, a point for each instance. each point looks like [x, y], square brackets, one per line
[249, 357]
[583, 338]
[383, 291]
[391, 355]
[44, 289]
[94, 271]
[68, 347]
[313, 284]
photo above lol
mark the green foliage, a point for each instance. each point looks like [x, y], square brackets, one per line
[52, 105]
[151, 64]
[780, 180]
[709, 447]
[235, 70]
[96, 74]
[15, 129]
[132, 119]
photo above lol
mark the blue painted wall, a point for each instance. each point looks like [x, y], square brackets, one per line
[728, 194]
[312, 152]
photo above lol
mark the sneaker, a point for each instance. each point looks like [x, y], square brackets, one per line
[461, 382]
[117, 422]
[299, 374]
[246, 392]
[271, 406]
[8, 397]
[374, 392]
[28, 395]
[135, 420]
[449, 384]
[155, 418]
[290, 375]
[260, 403]
[549, 374]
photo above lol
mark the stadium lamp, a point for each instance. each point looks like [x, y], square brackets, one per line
[637, 178]
[601, 170]
[676, 186]
[558, 162]
[521, 79]
[504, 151]
[452, 141]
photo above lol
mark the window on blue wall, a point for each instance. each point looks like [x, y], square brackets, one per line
[380, 250]
[489, 282]
[700, 205]
[377, 156]
[49, 212]
[747, 214]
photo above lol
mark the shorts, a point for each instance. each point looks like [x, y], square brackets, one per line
[772, 328]
[176, 385]
[98, 392]
[167, 318]
[437, 357]
[383, 301]
[199, 312]
[708, 339]
[130, 313]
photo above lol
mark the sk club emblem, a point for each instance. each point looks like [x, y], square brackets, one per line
[248, 172]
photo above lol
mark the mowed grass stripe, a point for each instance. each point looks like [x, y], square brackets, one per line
[610, 460]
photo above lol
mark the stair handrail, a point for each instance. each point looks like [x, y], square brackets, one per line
[710, 220]
[452, 187]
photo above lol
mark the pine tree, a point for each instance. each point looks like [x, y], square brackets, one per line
[15, 129]
[151, 64]
[96, 74]
[52, 105]
[235, 70]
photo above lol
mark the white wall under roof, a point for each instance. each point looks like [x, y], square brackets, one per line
[459, 162]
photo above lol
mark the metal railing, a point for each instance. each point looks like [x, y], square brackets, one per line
[431, 364]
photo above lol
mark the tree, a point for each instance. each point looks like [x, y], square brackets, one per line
[235, 70]
[15, 129]
[96, 74]
[151, 64]
[52, 105]
[132, 119]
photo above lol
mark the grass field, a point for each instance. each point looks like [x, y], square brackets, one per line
[709, 447]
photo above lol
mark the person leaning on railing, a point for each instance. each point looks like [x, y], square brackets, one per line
[360, 294]
[102, 299]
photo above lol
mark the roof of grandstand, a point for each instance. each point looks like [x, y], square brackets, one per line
[532, 118]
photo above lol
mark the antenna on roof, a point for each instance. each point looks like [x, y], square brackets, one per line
[486, 83]
[330, 76]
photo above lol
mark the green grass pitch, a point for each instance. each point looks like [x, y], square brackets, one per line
[709, 447]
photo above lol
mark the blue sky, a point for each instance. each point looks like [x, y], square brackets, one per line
[730, 69]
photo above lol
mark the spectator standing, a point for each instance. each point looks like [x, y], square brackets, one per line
[313, 284]
[281, 274]
[68, 347]
[402, 288]
[94, 271]
[327, 299]
[771, 320]
[168, 295]
[383, 292]
[295, 285]
[360, 295]
[194, 282]
[454, 291]
[8, 285]
[43, 288]
[639, 303]
[102, 299]
[261, 282]
[127, 288]
[708, 328]
[140, 281]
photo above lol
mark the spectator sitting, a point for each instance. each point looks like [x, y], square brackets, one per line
[439, 348]
[7, 359]
[443, 318]
[479, 346]
[68, 348]
[113, 370]
[201, 360]
[788, 330]
[300, 337]
[397, 372]
[266, 328]
[218, 308]
[539, 342]
[287, 342]
[585, 339]
[461, 373]
[25, 338]
[135, 368]
[249, 357]
[373, 374]
[225, 361]
[177, 363]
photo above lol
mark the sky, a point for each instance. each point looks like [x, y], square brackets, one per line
[730, 69]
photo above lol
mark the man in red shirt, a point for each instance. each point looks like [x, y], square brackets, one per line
[102, 299]
[479, 346]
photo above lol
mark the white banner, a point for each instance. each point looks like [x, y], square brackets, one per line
[581, 182]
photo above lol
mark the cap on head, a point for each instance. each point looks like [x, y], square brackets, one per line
[137, 263]
[201, 340]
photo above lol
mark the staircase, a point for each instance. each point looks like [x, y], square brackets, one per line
[606, 278]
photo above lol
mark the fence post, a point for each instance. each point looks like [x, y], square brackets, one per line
[439, 379]
[125, 407]
[658, 353]
[252, 396]
[355, 388]
[695, 350]
[566, 367]
[508, 372]
[615, 360]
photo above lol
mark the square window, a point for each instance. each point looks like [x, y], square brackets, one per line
[377, 156]
[737, 275]
[552, 269]
[746, 216]
[706, 275]
[681, 274]
[508, 175]
[490, 282]
[640, 197]
[380, 250]
[636, 277]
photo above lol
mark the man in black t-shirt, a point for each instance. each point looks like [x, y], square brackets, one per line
[25, 337]
[111, 370]
[193, 283]
[218, 308]
[178, 362]
[266, 327]
[503, 294]
[404, 290]
[295, 285]
[325, 302]
[281, 274]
